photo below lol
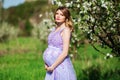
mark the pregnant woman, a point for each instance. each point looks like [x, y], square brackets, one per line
[57, 62]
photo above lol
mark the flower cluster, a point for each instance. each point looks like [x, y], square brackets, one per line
[98, 20]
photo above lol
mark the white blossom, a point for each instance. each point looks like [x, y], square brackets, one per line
[67, 4]
[78, 6]
[79, 19]
[108, 55]
[102, 1]
[71, 55]
[89, 4]
[94, 8]
[59, 4]
[94, 39]
[104, 5]
[78, 0]
[71, 2]
[54, 2]
[95, 26]
[92, 19]
[112, 28]
[40, 15]
[111, 56]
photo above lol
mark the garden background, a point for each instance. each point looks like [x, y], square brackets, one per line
[95, 43]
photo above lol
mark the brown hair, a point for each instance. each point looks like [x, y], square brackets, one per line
[66, 13]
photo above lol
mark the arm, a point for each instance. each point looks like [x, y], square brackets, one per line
[46, 66]
[66, 39]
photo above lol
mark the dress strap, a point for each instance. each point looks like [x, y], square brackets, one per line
[61, 29]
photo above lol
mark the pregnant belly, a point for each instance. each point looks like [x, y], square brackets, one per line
[50, 55]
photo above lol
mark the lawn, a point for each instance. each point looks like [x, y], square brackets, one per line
[21, 59]
[28, 66]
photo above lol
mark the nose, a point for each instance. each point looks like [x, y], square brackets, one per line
[57, 16]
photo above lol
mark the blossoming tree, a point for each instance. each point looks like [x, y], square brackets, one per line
[99, 21]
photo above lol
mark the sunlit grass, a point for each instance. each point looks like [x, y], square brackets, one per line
[22, 45]
[89, 60]
[29, 65]
[22, 59]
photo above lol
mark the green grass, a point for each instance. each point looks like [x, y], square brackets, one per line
[22, 59]
[90, 62]
[28, 66]
[18, 64]
[21, 45]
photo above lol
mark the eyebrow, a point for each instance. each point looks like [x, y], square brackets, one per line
[60, 13]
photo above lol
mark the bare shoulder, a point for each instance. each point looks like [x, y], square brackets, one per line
[66, 30]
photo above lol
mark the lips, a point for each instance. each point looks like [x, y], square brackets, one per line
[57, 19]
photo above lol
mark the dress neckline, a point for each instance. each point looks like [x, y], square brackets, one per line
[58, 30]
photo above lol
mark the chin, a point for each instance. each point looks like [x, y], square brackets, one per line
[59, 21]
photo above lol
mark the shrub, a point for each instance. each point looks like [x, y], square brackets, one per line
[7, 32]
[42, 30]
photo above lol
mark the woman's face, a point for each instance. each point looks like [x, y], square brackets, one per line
[59, 17]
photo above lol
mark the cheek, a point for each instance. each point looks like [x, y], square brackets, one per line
[63, 19]
[55, 16]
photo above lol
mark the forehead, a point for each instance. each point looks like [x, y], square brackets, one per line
[59, 11]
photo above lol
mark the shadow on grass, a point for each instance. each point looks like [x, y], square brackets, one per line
[96, 73]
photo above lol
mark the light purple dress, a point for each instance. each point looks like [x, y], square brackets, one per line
[65, 70]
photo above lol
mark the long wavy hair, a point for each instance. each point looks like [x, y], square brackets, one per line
[66, 13]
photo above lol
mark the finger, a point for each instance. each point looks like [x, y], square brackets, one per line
[46, 68]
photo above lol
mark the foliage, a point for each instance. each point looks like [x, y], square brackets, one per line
[26, 30]
[92, 66]
[7, 32]
[25, 15]
[23, 12]
[99, 20]
[42, 29]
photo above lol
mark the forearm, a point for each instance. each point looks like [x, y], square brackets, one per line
[59, 60]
